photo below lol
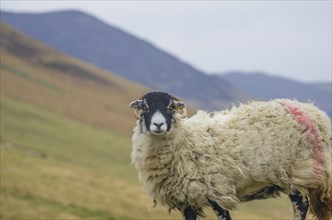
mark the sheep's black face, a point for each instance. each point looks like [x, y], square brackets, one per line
[156, 112]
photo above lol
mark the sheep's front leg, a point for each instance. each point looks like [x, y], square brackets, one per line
[189, 214]
[300, 205]
[221, 213]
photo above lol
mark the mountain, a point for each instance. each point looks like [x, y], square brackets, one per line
[108, 47]
[265, 87]
[323, 85]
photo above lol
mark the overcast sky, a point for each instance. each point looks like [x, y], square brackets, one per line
[287, 38]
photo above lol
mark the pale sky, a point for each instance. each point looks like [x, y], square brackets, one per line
[287, 38]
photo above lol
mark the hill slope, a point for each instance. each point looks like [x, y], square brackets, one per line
[91, 40]
[40, 75]
[267, 87]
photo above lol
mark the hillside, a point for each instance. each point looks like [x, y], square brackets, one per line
[38, 74]
[108, 47]
[64, 141]
[267, 87]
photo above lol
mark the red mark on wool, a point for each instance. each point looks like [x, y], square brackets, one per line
[306, 122]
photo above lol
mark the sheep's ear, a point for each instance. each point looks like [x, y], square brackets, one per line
[179, 105]
[136, 104]
[181, 108]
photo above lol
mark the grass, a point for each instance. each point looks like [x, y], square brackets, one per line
[79, 211]
[31, 129]
[54, 167]
[28, 77]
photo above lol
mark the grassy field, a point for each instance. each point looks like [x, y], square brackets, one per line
[53, 167]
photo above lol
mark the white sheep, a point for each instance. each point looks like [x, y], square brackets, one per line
[221, 159]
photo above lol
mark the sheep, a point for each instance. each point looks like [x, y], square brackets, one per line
[220, 159]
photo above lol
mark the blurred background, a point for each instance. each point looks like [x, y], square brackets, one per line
[69, 69]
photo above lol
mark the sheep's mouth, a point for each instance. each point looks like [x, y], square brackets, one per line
[158, 132]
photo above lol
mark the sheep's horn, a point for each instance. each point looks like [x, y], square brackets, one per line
[136, 104]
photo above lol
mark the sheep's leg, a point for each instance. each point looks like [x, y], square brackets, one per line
[300, 205]
[221, 213]
[189, 214]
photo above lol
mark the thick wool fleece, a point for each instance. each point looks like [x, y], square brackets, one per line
[229, 155]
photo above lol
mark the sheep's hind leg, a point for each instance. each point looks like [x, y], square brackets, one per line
[221, 213]
[189, 214]
[300, 205]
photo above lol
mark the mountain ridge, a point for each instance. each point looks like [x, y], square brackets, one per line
[265, 87]
[86, 37]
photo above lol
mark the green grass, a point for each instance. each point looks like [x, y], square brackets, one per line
[55, 205]
[34, 187]
[36, 138]
[27, 76]
[57, 168]
[31, 129]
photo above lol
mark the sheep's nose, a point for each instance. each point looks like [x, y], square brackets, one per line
[158, 125]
